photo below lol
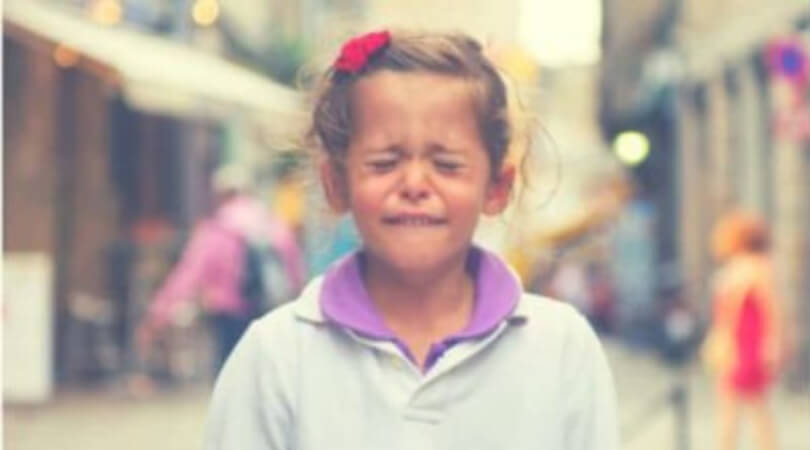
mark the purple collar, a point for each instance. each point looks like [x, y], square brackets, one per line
[345, 301]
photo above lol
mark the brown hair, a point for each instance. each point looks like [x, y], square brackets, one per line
[450, 54]
[739, 232]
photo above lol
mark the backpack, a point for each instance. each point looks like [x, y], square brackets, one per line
[264, 283]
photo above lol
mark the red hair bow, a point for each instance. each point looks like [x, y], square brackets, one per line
[355, 53]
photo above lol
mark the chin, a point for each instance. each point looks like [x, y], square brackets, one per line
[412, 260]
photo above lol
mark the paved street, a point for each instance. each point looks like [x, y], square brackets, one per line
[108, 421]
[642, 383]
[173, 422]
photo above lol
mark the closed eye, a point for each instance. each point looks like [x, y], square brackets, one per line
[447, 166]
[382, 165]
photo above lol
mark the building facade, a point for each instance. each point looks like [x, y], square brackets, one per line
[737, 130]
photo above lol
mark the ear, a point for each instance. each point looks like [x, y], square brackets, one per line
[499, 191]
[334, 186]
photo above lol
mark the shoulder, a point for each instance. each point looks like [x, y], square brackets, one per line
[284, 321]
[545, 313]
[555, 325]
[280, 329]
[742, 273]
[565, 333]
[269, 353]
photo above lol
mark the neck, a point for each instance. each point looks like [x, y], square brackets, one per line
[437, 302]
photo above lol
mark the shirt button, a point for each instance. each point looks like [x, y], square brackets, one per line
[396, 362]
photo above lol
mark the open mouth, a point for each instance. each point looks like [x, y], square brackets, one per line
[414, 220]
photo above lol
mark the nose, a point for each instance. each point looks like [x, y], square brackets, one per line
[415, 184]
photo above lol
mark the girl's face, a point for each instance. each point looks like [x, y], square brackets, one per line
[417, 174]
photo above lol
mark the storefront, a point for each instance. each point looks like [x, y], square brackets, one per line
[110, 137]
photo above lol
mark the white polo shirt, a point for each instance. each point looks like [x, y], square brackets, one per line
[299, 381]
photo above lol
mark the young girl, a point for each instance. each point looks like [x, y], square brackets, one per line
[420, 340]
[746, 344]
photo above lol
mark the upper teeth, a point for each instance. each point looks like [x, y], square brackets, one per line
[416, 221]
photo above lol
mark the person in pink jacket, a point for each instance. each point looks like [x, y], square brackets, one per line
[212, 266]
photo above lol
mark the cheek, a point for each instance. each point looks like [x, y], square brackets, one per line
[367, 195]
[465, 201]
[363, 206]
[469, 190]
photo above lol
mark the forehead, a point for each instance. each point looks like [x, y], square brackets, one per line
[406, 105]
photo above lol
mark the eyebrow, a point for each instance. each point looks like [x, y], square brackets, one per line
[374, 150]
[433, 149]
[441, 149]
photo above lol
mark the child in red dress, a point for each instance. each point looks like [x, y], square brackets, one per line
[746, 342]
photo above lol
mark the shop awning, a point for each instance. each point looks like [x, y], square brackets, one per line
[154, 74]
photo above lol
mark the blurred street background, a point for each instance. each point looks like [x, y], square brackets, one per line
[657, 117]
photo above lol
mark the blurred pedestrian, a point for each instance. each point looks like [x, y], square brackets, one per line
[420, 339]
[224, 264]
[745, 346]
[570, 283]
[602, 297]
